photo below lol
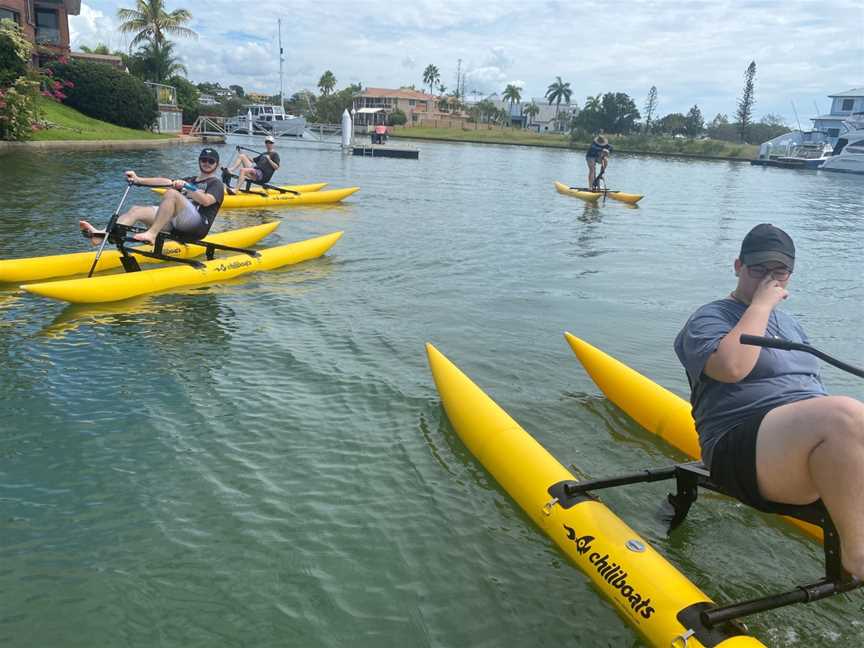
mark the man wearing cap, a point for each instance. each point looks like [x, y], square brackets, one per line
[768, 430]
[189, 207]
[598, 153]
[258, 169]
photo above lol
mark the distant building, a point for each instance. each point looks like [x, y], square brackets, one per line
[170, 114]
[44, 23]
[375, 105]
[207, 100]
[107, 59]
[843, 106]
[258, 97]
[546, 120]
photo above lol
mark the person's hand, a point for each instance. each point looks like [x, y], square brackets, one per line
[769, 293]
[132, 177]
[178, 184]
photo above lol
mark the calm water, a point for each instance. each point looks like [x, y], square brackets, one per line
[265, 462]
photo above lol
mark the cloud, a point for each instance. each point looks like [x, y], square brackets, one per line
[802, 53]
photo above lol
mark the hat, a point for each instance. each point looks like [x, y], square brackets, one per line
[767, 243]
[209, 153]
[269, 139]
[600, 140]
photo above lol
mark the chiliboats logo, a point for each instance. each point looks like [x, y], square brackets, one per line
[612, 573]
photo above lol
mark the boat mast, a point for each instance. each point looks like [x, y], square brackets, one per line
[281, 58]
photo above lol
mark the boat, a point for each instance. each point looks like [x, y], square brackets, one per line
[592, 195]
[266, 118]
[64, 265]
[659, 602]
[795, 150]
[848, 154]
[655, 408]
[116, 287]
[275, 199]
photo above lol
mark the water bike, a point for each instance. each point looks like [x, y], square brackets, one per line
[187, 272]
[659, 602]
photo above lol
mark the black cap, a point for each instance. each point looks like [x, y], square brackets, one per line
[209, 153]
[767, 243]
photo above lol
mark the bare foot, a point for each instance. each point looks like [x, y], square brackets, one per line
[90, 232]
[145, 237]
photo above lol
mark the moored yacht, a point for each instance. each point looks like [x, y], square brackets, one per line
[265, 117]
[848, 154]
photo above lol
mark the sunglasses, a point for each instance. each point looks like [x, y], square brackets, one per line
[759, 271]
[206, 160]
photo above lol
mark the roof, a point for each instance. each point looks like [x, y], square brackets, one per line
[401, 93]
[854, 92]
[368, 111]
[830, 118]
[103, 58]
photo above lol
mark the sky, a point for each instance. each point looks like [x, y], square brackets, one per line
[694, 52]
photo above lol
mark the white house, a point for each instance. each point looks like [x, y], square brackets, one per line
[843, 106]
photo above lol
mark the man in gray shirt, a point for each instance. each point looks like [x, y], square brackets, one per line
[768, 430]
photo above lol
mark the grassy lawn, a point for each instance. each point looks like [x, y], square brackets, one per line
[72, 125]
[624, 144]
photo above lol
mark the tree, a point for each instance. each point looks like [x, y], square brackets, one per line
[101, 48]
[531, 110]
[327, 82]
[694, 124]
[150, 21]
[431, 76]
[650, 107]
[238, 90]
[329, 108]
[187, 98]
[486, 109]
[672, 124]
[556, 92]
[513, 94]
[397, 117]
[153, 63]
[442, 89]
[15, 52]
[614, 112]
[745, 103]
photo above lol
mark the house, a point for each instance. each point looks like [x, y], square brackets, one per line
[375, 105]
[207, 100]
[45, 23]
[843, 106]
[546, 120]
[106, 59]
[259, 97]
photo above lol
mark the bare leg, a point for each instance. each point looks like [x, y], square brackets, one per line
[170, 206]
[591, 172]
[241, 161]
[136, 214]
[812, 449]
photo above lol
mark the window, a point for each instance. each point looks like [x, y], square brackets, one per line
[412, 102]
[847, 104]
[9, 14]
[47, 26]
[833, 132]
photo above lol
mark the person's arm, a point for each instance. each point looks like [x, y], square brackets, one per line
[133, 177]
[200, 196]
[273, 163]
[733, 361]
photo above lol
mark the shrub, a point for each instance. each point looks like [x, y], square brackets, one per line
[14, 53]
[397, 118]
[18, 110]
[105, 93]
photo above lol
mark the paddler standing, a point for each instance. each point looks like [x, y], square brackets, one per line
[767, 428]
[189, 206]
[598, 153]
[258, 169]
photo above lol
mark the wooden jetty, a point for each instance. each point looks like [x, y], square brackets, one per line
[372, 150]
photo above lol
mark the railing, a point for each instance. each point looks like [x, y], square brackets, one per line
[207, 125]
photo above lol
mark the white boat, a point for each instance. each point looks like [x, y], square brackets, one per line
[795, 150]
[848, 154]
[266, 119]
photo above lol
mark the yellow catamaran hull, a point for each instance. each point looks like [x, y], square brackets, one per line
[108, 288]
[65, 265]
[653, 407]
[592, 196]
[276, 199]
[648, 592]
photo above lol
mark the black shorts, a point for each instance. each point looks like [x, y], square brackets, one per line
[733, 465]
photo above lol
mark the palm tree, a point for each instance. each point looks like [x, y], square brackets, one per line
[150, 21]
[431, 76]
[557, 91]
[327, 82]
[531, 110]
[513, 94]
[153, 63]
[441, 90]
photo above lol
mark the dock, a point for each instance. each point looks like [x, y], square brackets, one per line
[372, 150]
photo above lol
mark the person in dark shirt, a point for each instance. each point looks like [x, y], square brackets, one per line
[258, 169]
[189, 207]
[598, 153]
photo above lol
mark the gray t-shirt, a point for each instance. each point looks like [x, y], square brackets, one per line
[779, 377]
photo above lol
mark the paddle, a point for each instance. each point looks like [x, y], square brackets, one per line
[788, 345]
[227, 175]
[111, 222]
